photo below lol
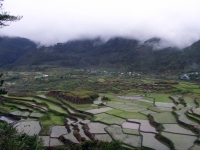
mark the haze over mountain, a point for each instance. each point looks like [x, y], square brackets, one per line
[116, 54]
[49, 22]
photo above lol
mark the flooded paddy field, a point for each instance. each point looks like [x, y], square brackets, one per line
[133, 117]
[96, 127]
[150, 141]
[103, 137]
[116, 132]
[181, 142]
[164, 117]
[175, 128]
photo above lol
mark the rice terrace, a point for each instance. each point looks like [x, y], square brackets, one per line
[99, 75]
[73, 106]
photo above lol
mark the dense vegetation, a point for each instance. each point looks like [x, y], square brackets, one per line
[96, 145]
[13, 48]
[117, 53]
[10, 139]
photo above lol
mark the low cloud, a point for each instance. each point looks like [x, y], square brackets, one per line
[177, 22]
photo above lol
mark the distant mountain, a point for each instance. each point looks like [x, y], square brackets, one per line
[11, 49]
[116, 53]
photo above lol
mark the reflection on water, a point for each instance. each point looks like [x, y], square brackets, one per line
[7, 119]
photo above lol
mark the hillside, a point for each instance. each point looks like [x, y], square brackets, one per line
[11, 49]
[116, 53]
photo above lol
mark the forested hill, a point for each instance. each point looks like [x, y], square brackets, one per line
[11, 49]
[117, 53]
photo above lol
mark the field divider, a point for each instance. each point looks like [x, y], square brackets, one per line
[188, 126]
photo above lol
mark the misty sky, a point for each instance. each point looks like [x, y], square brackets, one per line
[53, 21]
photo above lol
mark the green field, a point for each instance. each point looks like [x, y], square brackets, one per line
[52, 119]
[160, 97]
[137, 111]
[127, 115]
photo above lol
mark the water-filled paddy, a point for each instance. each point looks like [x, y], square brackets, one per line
[85, 121]
[175, 98]
[164, 117]
[70, 136]
[36, 115]
[181, 142]
[99, 110]
[25, 114]
[149, 140]
[162, 104]
[160, 109]
[196, 111]
[16, 113]
[144, 125]
[175, 128]
[117, 105]
[96, 127]
[130, 125]
[114, 111]
[7, 119]
[134, 109]
[183, 118]
[195, 147]
[69, 121]
[135, 98]
[130, 115]
[55, 142]
[28, 127]
[57, 131]
[125, 118]
[46, 140]
[82, 132]
[130, 131]
[103, 137]
[116, 132]
[146, 112]
[109, 119]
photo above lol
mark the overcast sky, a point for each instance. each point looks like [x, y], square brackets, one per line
[53, 21]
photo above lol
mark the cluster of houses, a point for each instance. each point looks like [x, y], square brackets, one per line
[41, 76]
[188, 76]
[112, 72]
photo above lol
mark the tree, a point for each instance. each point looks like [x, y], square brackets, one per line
[6, 18]
[2, 91]
[10, 139]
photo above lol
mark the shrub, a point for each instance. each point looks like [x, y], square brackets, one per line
[10, 139]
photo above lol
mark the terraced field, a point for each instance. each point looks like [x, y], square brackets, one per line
[136, 121]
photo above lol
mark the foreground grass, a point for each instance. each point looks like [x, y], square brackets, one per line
[10, 139]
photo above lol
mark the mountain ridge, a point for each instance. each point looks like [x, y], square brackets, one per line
[116, 53]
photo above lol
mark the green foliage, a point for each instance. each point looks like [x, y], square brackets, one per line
[82, 94]
[117, 53]
[53, 118]
[105, 98]
[99, 145]
[5, 18]
[45, 131]
[2, 91]
[11, 140]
